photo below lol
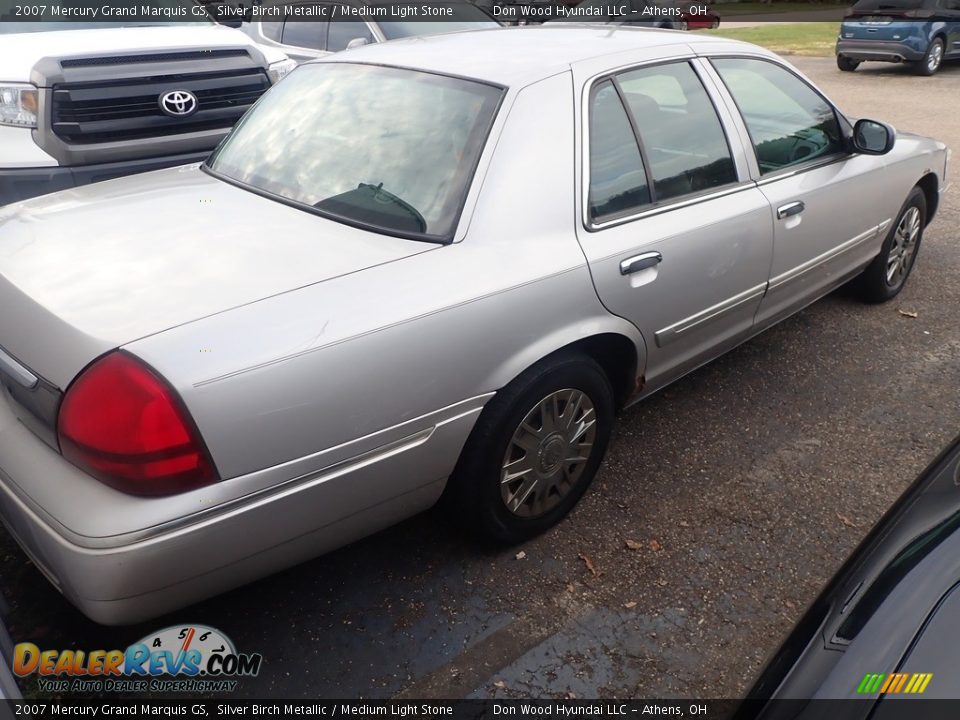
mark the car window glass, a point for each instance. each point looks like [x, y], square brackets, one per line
[272, 30]
[385, 148]
[618, 181]
[789, 122]
[343, 31]
[685, 145]
[304, 34]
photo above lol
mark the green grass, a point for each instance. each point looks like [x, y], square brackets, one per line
[758, 8]
[806, 38]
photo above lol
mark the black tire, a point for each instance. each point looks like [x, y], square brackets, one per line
[475, 491]
[847, 64]
[684, 25]
[929, 66]
[715, 24]
[875, 284]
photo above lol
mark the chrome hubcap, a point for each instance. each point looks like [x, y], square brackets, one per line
[936, 55]
[548, 453]
[903, 247]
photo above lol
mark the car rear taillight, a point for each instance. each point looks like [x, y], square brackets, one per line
[121, 423]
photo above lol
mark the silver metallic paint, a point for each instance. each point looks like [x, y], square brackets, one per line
[334, 373]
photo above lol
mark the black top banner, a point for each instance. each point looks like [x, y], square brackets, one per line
[693, 12]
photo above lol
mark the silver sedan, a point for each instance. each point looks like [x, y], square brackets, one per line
[423, 268]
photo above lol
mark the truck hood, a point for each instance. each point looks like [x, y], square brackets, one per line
[19, 52]
[89, 269]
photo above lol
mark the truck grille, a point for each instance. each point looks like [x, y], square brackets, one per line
[128, 109]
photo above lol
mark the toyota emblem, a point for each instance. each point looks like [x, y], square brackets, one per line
[178, 103]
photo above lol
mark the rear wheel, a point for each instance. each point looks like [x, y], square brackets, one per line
[847, 64]
[535, 449]
[932, 60]
[885, 277]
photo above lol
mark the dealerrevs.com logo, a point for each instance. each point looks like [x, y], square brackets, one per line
[191, 658]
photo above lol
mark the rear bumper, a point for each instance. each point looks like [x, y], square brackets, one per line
[122, 579]
[882, 50]
[22, 183]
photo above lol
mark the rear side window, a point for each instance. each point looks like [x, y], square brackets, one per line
[618, 179]
[686, 148]
[789, 122]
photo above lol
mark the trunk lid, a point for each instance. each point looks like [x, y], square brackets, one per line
[89, 269]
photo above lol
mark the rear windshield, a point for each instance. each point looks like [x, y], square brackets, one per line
[387, 149]
[879, 6]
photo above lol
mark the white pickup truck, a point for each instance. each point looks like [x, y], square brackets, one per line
[88, 101]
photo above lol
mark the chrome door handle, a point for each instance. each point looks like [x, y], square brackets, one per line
[640, 262]
[794, 208]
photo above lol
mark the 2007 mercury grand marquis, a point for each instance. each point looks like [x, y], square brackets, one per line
[427, 265]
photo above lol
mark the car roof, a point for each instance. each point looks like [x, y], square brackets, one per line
[521, 55]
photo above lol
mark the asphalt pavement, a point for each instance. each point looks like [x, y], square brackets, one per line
[726, 502]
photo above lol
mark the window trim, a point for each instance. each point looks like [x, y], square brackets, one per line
[788, 170]
[654, 208]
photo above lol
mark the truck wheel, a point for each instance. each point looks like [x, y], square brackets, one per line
[535, 449]
[847, 64]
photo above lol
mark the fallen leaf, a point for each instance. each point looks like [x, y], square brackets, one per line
[633, 544]
[588, 562]
[622, 506]
[661, 582]
[630, 605]
[846, 521]
[500, 684]
[571, 695]
[570, 588]
[655, 545]
[791, 604]
[521, 555]
[684, 523]
[907, 313]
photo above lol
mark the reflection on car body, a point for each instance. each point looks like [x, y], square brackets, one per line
[886, 626]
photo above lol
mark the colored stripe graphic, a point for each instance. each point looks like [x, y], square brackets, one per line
[894, 683]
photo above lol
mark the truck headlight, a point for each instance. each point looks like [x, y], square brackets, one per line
[18, 105]
[278, 70]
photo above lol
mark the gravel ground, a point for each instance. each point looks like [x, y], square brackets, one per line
[742, 488]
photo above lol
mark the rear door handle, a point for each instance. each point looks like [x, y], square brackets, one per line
[790, 209]
[640, 262]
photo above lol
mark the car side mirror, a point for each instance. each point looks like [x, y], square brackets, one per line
[357, 42]
[872, 137]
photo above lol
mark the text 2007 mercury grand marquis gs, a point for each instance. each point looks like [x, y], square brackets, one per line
[426, 265]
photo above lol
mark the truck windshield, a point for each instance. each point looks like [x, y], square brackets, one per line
[95, 15]
[387, 149]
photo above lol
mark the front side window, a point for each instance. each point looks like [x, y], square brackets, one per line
[618, 180]
[388, 149]
[789, 122]
[685, 145]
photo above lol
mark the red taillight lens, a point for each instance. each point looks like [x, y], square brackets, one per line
[125, 426]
